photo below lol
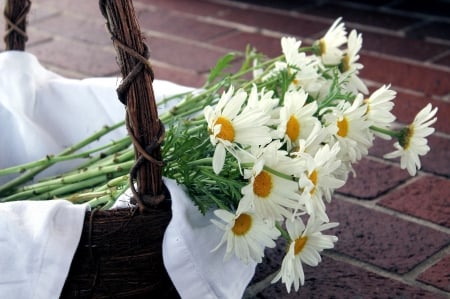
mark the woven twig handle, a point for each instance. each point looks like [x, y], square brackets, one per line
[15, 14]
[136, 92]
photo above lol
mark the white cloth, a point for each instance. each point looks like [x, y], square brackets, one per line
[37, 244]
[42, 113]
[196, 271]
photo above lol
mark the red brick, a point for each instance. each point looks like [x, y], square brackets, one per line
[336, 279]
[426, 198]
[431, 7]
[88, 9]
[428, 80]
[383, 240]
[179, 25]
[415, 49]
[438, 275]
[443, 60]
[435, 30]
[197, 8]
[78, 57]
[286, 24]
[373, 179]
[183, 77]
[381, 147]
[238, 41]
[191, 56]
[356, 16]
[438, 158]
[87, 30]
[39, 12]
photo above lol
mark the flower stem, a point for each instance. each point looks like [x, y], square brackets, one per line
[283, 232]
[396, 134]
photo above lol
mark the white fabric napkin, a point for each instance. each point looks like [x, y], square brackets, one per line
[196, 271]
[42, 113]
[37, 244]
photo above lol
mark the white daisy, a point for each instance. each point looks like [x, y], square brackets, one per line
[297, 118]
[351, 129]
[303, 68]
[412, 142]
[306, 245]
[265, 102]
[290, 47]
[329, 45]
[350, 67]
[379, 106]
[272, 192]
[310, 145]
[231, 126]
[319, 181]
[246, 234]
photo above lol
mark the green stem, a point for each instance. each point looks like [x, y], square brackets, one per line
[33, 172]
[396, 134]
[84, 174]
[59, 191]
[204, 161]
[283, 232]
[271, 170]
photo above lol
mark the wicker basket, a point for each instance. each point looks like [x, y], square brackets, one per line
[120, 251]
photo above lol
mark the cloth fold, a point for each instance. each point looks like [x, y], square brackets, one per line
[42, 113]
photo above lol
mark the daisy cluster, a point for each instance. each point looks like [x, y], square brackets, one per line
[295, 134]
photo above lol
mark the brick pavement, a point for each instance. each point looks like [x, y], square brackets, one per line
[394, 237]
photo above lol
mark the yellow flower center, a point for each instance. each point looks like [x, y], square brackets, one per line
[322, 46]
[367, 102]
[295, 81]
[313, 178]
[242, 224]
[406, 135]
[345, 64]
[342, 127]
[262, 184]
[226, 129]
[293, 128]
[300, 244]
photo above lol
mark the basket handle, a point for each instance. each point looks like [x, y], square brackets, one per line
[15, 13]
[136, 92]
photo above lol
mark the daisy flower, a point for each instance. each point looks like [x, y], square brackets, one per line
[265, 102]
[272, 192]
[379, 106]
[303, 68]
[311, 144]
[319, 181]
[230, 125]
[412, 142]
[289, 48]
[350, 67]
[297, 118]
[306, 245]
[351, 129]
[329, 45]
[246, 234]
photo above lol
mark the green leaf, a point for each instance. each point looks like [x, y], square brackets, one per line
[221, 65]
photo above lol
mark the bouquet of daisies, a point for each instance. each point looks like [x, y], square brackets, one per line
[265, 147]
[280, 144]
